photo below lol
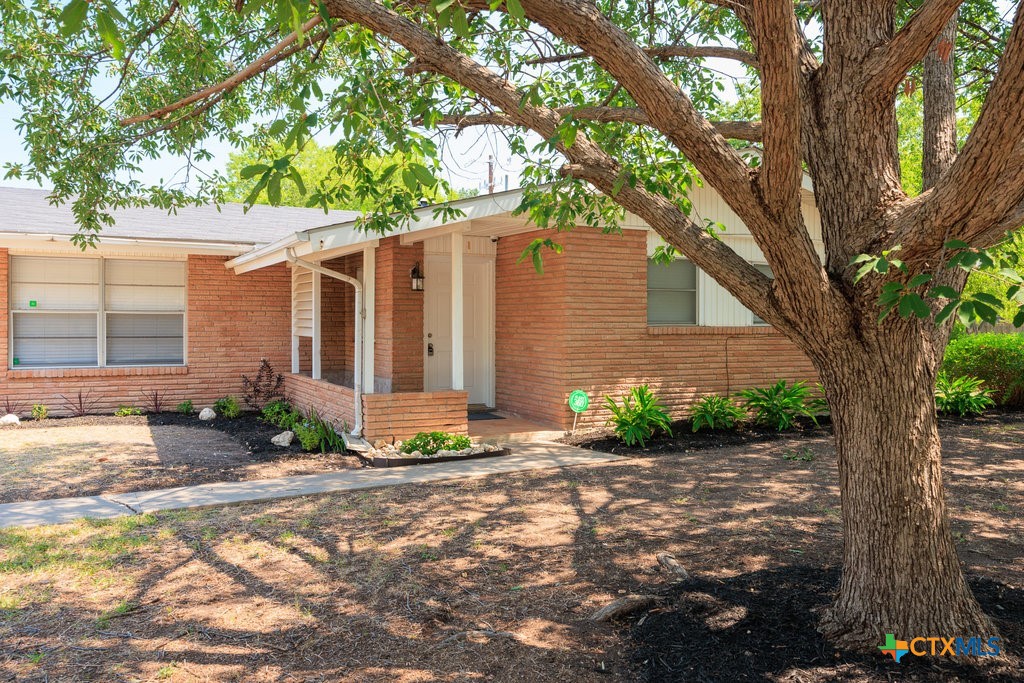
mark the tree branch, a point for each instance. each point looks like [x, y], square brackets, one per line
[891, 62]
[667, 52]
[775, 24]
[992, 159]
[586, 160]
[751, 131]
[284, 49]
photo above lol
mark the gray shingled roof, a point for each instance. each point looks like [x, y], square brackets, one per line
[29, 211]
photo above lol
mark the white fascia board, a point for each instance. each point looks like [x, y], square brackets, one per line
[119, 245]
[267, 255]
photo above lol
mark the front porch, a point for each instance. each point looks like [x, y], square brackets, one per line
[383, 355]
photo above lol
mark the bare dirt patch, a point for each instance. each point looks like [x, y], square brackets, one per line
[493, 579]
[94, 455]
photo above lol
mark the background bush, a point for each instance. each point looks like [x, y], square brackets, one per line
[429, 443]
[997, 359]
[227, 407]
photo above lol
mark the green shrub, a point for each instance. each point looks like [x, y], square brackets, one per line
[429, 443]
[961, 395]
[40, 412]
[185, 408]
[639, 417]
[308, 436]
[779, 405]
[316, 434]
[281, 414]
[126, 411]
[227, 407]
[997, 359]
[716, 412]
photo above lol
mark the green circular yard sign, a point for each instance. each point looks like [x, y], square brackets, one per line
[578, 401]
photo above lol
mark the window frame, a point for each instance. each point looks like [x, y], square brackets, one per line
[100, 312]
[696, 295]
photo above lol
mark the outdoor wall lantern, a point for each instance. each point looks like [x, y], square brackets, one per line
[417, 278]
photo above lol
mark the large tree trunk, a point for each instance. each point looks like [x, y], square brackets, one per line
[901, 573]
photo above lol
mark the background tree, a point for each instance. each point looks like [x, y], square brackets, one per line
[620, 98]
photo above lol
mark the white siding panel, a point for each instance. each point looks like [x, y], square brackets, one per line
[302, 302]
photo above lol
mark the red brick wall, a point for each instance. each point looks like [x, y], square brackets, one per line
[531, 372]
[398, 360]
[399, 416]
[337, 319]
[583, 325]
[331, 401]
[232, 320]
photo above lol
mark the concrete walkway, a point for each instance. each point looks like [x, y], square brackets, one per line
[530, 456]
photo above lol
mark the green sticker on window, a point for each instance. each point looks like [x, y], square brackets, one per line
[32, 303]
[17, 361]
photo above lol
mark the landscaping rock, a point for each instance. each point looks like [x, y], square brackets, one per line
[379, 444]
[284, 439]
[10, 419]
[207, 414]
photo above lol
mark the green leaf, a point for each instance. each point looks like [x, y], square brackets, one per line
[253, 170]
[72, 17]
[110, 33]
[919, 280]
[459, 22]
[423, 174]
[1018, 320]
[515, 10]
[912, 304]
[943, 292]
[947, 311]
[274, 189]
[957, 244]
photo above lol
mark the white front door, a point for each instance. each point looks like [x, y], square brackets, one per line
[478, 325]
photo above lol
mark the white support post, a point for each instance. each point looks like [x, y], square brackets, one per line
[316, 326]
[296, 367]
[458, 311]
[369, 313]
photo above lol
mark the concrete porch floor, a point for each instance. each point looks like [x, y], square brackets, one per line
[511, 430]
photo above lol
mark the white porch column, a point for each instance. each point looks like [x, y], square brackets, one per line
[458, 310]
[316, 326]
[295, 326]
[369, 315]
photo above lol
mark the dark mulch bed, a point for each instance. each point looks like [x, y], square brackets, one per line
[247, 429]
[760, 626]
[684, 439]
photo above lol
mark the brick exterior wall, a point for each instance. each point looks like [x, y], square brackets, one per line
[232, 322]
[583, 325]
[399, 416]
[331, 401]
[398, 359]
[337, 320]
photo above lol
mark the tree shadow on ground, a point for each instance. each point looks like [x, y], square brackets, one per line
[761, 626]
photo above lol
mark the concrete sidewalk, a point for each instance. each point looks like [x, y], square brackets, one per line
[527, 456]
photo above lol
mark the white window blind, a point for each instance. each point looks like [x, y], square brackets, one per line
[671, 293]
[59, 320]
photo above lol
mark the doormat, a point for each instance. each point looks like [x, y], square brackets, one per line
[484, 416]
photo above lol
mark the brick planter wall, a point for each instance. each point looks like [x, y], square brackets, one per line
[399, 416]
[331, 401]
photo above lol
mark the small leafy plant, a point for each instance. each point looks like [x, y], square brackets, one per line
[716, 412]
[429, 443]
[79, 404]
[154, 401]
[265, 386]
[803, 455]
[639, 417]
[126, 411]
[961, 396]
[186, 408]
[779, 406]
[40, 412]
[227, 407]
[317, 434]
[281, 414]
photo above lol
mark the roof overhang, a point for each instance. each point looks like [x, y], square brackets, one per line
[20, 241]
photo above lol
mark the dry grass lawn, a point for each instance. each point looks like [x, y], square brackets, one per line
[480, 580]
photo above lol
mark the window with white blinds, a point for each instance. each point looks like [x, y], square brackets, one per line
[81, 312]
[671, 293]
